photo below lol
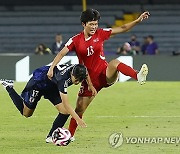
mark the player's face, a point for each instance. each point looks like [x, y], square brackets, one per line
[58, 38]
[74, 80]
[90, 27]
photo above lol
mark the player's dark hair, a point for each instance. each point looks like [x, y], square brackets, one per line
[58, 34]
[89, 15]
[79, 72]
[151, 37]
[134, 35]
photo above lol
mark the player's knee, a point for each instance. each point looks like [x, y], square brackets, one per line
[64, 112]
[27, 115]
[80, 109]
[115, 63]
[81, 106]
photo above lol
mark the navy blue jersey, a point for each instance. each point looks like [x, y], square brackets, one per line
[61, 77]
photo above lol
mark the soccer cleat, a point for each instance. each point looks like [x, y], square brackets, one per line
[141, 76]
[49, 139]
[6, 83]
[72, 139]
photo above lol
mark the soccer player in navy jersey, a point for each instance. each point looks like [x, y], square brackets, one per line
[55, 90]
[88, 46]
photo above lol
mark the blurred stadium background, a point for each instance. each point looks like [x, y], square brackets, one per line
[26, 23]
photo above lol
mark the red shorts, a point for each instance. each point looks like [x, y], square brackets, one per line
[98, 81]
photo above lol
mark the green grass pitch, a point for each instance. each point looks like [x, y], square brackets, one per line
[151, 110]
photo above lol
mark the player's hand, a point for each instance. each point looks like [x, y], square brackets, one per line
[50, 73]
[143, 16]
[81, 123]
[94, 92]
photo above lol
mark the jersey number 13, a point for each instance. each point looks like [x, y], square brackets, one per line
[90, 51]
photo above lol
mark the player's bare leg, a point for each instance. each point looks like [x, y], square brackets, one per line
[17, 100]
[60, 107]
[112, 72]
[116, 66]
[27, 112]
[59, 121]
[81, 105]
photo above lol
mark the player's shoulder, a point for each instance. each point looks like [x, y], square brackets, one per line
[77, 36]
[74, 39]
[65, 66]
[104, 29]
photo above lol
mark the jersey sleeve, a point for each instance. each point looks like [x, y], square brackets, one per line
[138, 44]
[62, 86]
[105, 33]
[156, 46]
[70, 45]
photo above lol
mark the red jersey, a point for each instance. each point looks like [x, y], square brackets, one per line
[90, 51]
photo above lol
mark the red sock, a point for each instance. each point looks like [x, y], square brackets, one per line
[127, 70]
[73, 126]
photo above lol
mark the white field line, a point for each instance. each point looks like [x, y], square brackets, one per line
[140, 116]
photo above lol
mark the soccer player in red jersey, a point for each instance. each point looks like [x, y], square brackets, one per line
[88, 46]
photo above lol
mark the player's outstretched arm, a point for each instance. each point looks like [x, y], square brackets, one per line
[56, 60]
[128, 26]
[70, 110]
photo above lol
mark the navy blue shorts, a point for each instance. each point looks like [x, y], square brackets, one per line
[32, 93]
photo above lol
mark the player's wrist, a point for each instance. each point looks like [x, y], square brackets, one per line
[138, 20]
[90, 85]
